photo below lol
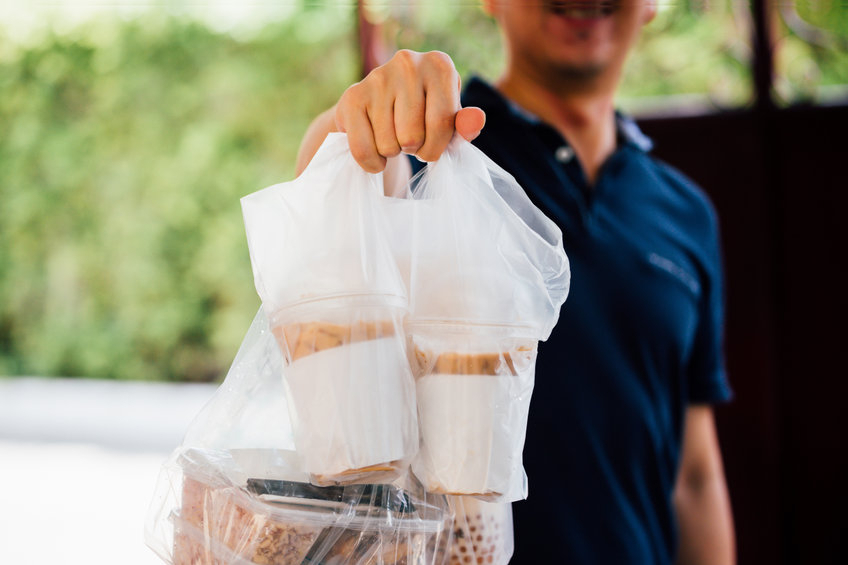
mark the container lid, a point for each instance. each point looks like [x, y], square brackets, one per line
[363, 497]
[319, 307]
[378, 508]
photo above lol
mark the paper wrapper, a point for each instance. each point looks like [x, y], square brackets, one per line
[324, 269]
[350, 393]
[473, 409]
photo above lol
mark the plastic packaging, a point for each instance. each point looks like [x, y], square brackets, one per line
[223, 518]
[321, 235]
[235, 492]
[481, 252]
[302, 455]
[473, 388]
[487, 277]
[322, 265]
[482, 532]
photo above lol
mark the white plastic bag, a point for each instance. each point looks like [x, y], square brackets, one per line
[240, 488]
[482, 252]
[482, 532]
[487, 277]
[336, 303]
[236, 493]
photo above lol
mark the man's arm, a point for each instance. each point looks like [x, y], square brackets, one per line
[700, 495]
[314, 137]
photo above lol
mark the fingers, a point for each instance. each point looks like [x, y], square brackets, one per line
[381, 116]
[352, 118]
[410, 104]
[409, 112]
[469, 122]
[441, 89]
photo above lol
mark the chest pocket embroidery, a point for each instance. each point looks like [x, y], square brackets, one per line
[676, 271]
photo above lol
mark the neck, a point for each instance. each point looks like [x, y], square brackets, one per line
[581, 109]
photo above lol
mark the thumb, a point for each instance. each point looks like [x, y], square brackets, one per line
[469, 121]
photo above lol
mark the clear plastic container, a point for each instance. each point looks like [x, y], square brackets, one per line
[473, 388]
[284, 522]
[482, 532]
[349, 386]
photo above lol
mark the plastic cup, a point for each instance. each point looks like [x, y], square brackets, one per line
[473, 389]
[350, 389]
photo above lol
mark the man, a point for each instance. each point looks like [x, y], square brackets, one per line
[621, 450]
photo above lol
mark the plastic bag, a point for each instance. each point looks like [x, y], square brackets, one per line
[224, 517]
[241, 487]
[336, 303]
[481, 251]
[482, 532]
[236, 493]
[487, 277]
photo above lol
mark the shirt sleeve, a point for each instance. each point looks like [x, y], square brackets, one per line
[708, 382]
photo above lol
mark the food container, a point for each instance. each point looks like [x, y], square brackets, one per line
[482, 532]
[349, 387]
[284, 522]
[473, 387]
[323, 267]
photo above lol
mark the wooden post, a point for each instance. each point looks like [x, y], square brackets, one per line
[372, 48]
[763, 64]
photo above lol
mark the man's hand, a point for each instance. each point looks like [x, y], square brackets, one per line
[410, 105]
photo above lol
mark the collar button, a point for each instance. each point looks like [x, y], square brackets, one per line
[564, 154]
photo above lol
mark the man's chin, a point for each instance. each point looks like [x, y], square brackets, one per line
[579, 72]
[582, 9]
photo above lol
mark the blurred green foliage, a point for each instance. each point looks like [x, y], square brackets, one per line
[125, 145]
[830, 15]
[811, 55]
[693, 51]
[124, 150]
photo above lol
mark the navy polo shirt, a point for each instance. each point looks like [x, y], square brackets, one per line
[639, 338]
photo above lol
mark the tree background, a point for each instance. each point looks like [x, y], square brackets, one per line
[126, 141]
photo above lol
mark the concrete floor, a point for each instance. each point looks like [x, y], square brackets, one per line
[79, 461]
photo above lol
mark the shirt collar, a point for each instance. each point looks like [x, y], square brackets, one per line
[626, 128]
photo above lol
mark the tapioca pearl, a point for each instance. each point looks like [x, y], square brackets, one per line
[466, 559]
[462, 548]
[479, 537]
[490, 559]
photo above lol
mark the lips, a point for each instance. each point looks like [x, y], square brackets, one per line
[582, 9]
